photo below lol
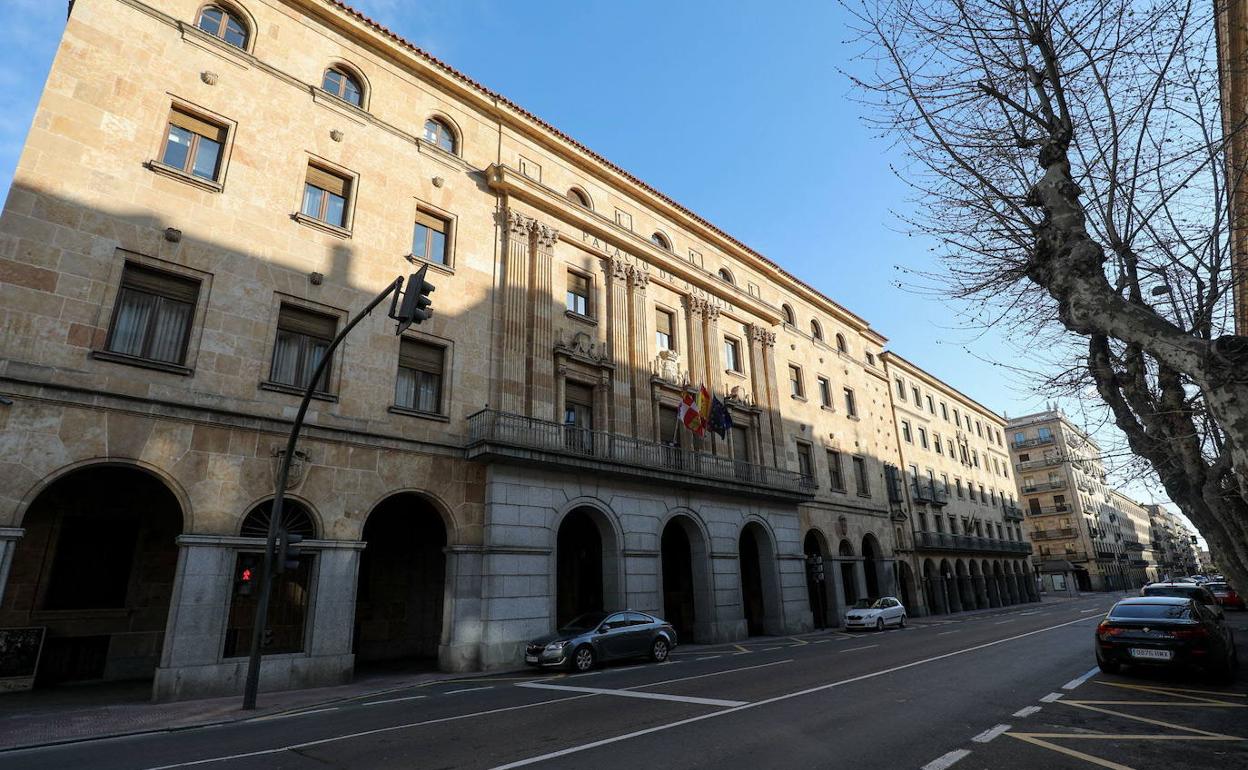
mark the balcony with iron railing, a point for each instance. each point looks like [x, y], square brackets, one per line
[1030, 442]
[1011, 512]
[1049, 510]
[943, 541]
[502, 436]
[1062, 533]
[1044, 486]
[1044, 462]
[1134, 546]
[928, 491]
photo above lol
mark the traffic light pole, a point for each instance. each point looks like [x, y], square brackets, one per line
[267, 572]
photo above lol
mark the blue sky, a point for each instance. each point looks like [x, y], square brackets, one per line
[732, 108]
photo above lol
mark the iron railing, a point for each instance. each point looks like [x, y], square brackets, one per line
[1011, 511]
[943, 541]
[1048, 510]
[928, 491]
[490, 426]
[1044, 486]
[1044, 462]
[1055, 534]
[1030, 442]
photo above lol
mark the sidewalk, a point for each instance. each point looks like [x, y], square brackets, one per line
[67, 714]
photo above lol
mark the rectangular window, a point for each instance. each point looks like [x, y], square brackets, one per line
[825, 392]
[970, 490]
[905, 432]
[805, 465]
[836, 474]
[851, 408]
[325, 196]
[918, 402]
[901, 390]
[303, 337]
[938, 444]
[664, 326]
[732, 355]
[429, 238]
[979, 429]
[421, 371]
[578, 293]
[152, 319]
[931, 407]
[193, 145]
[923, 437]
[795, 381]
[956, 419]
[288, 609]
[860, 477]
[958, 486]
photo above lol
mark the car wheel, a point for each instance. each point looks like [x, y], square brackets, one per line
[583, 659]
[901, 622]
[1108, 667]
[879, 624]
[658, 650]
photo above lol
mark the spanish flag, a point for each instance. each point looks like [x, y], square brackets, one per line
[695, 411]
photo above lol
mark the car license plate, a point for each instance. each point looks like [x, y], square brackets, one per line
[530, 658]
[1151, 654]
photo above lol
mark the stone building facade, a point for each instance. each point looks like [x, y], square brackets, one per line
[960, 536]
[1173, 544]
[1132, 524]
[209, 193]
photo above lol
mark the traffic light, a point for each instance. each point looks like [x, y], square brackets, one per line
[248, 574]
[266, 640]
[416, 306]
[288, 550]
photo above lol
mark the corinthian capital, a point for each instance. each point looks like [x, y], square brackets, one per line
[616, 269]
[638, 277]
[695, 306]
[766, 336]
[544, 234]
[517, 223]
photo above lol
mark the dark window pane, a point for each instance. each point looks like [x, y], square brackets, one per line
[351, 91]
[207, 158]
[210, 20]
[1151, 611]
[235, 34]
[437, 250]
[332, 82]
[133, 314]
[312, 199]
[177, 147]
[336, 210]
[420, 240]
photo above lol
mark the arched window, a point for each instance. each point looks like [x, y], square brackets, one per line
[660, 240]
[816, 330]
[437, 132]
[219, 22]
[788, 314]
[578, 196]
[840, 344]
[344, 85]
[296, 519]
[726, 276]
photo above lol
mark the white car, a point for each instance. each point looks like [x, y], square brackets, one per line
[876, 613]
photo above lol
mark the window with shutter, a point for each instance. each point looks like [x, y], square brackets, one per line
[193, 145]
[422, 367]
[578, 293]
[429, 238]
[663, 330]
[325, 196]
[303, 339]
[152, 318]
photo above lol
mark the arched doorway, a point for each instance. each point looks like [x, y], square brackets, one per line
[402, 582]
[97, 566]
[586, 567]
[817, 578]
[949, 584]
[963, 586]
[978, 587]
[686, 597]
[758, 579]
[1083, 581]
[849, 580]
[998, 577]
[990, 584]
[933, 586]
[905, 585]
[871, 564]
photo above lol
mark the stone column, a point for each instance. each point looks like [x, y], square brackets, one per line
[715, 368]
[617, 319]
[1011, 585]
[514, 284]
[837, 610]
[460, 649]
[981, 592]
[952, 595]
[9, 537]
[695, 317]
[639, 363]
[766, 395]
[860, 579]
[541, 355]
[994, 591]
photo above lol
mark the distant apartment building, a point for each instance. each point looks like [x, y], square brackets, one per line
[1173, 542]
[1069, 510]
[965, 541]
[1131, 523]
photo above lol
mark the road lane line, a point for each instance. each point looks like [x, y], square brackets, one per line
[1073, 683]
[776, 699]
[1093, 609]
[946, 633]
[1033, 612]
[1051, 697]
[704, 676]
[1026, 712]
[292, 714]
[393, 700]
[1000, 622]
[363, 734]
[635, 694]
[468, 689]
[709, 657]
[990, 733]
[940, 763]
[856, 649]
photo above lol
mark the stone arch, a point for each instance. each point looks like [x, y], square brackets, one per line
[979, 592]
[949, 581]
[820, 595]
[251, 508]
[241, 12]
[184, 500]
[760, 579]
[990, 584]
[587, 573]
[873, 565]
[435, 501]
[907, 588]
[685, 579]
[401, 582]
[934, 588]
[101, 552]
[965, 594]
[457, 132]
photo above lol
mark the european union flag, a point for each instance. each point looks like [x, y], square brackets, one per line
[721, 420]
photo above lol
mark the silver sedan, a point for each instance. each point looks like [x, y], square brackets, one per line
[876, 613]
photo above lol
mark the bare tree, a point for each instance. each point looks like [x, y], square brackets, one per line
[1070, 158]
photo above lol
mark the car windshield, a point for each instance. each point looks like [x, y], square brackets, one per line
[587, 622]
[1187, 592]
[868, 604]
[1151, 612]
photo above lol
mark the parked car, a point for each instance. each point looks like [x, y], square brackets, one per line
[1185, 590]
[1165, 631]
[876, 613]
[600, 636]
[1226, 596]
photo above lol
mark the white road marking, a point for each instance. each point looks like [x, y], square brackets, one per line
[1033, 612]
[999, 622]
[856, 649]
[393, 700]
[703, 676]
[940, 763]
[1026, 712]
[635, 694]
[1073, 683]
[363, 734]
[769, 649]
[822, 641]
[292, 714]
[1094, 609]
[787, 696]
[466, 689]
[1051, 697]
[990, 733]
[946, 633]
[708, 657]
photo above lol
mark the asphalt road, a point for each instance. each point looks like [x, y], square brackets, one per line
[928, 696]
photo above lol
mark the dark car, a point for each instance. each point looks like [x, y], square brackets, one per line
[1226, 596]
[598, 636]
[1165, 631]
[1185, 591]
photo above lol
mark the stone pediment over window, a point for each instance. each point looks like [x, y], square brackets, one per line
[583, 349]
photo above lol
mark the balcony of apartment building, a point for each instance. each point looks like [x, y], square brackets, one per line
[1134, 546]
[1049, 510]
[944, 541]
[497, 436]
[1060, 533]
[1048, 461]
[1011, 511]
[1043, 439]
[1049, 485]
[928, 491]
